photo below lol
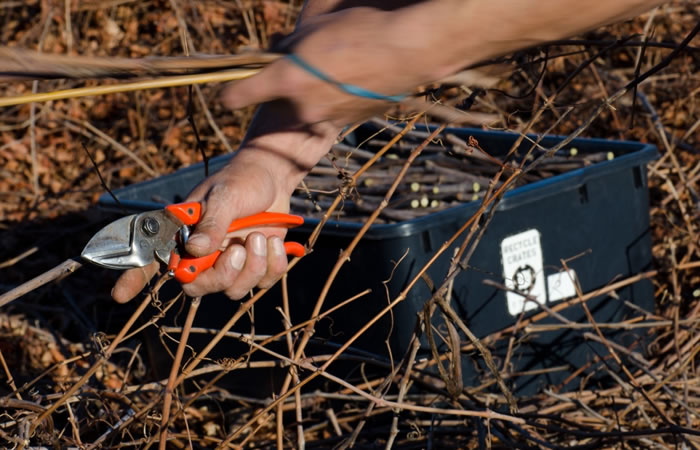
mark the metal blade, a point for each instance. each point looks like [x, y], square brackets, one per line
[111, 244]
[133, 241]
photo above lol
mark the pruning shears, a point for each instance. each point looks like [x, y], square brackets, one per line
[139, 239]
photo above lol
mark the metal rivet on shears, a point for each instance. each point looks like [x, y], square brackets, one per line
[150, 226]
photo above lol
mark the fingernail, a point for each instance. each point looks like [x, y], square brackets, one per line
[237, 258]
[259, 244]
[199, 240]
[278, 247]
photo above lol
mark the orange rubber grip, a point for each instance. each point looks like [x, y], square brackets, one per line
[186, 268]
[188, 213]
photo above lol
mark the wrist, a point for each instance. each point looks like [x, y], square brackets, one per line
[286, 155]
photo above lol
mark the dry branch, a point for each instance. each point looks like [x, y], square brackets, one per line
[57, 273]
[23, 63]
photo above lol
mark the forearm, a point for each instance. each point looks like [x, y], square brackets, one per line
[317, 7]
[461, 32]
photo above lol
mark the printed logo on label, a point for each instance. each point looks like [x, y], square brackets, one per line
[523, 270]
[561, 285]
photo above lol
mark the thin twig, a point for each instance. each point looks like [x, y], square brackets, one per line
[403, 388]
[10, 379]
[306, 336]
[59, 272]
[170, 387]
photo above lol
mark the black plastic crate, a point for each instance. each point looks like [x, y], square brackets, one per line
[596, 218]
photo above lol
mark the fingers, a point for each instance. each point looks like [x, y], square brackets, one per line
[260, 262]
[240, 268]
[259, 88]
[254, 269]
[132, 282]
[276, 262]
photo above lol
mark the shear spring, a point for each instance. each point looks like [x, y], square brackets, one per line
[184, 234]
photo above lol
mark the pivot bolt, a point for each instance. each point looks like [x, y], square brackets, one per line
[150, 226]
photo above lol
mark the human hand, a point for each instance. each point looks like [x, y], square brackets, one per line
[261, 177]
[254, 257]
[375, 50]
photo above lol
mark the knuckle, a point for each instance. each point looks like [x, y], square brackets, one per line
[257, 272]
[220, 281]
[255, 266]
[192, 290]
[236, 293]
[207, 223]
[218, 193]
[267, 283]
[205, 284]
[272, 276]
[243, 284]
[278, 265]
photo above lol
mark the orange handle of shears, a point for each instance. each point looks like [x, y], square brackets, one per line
[186, 269]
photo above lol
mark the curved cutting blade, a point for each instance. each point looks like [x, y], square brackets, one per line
[133, 241]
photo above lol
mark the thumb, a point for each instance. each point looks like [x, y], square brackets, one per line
[219, 209]
[260, 88]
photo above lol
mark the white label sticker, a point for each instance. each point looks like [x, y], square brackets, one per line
[523, 270]
[561, 285]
